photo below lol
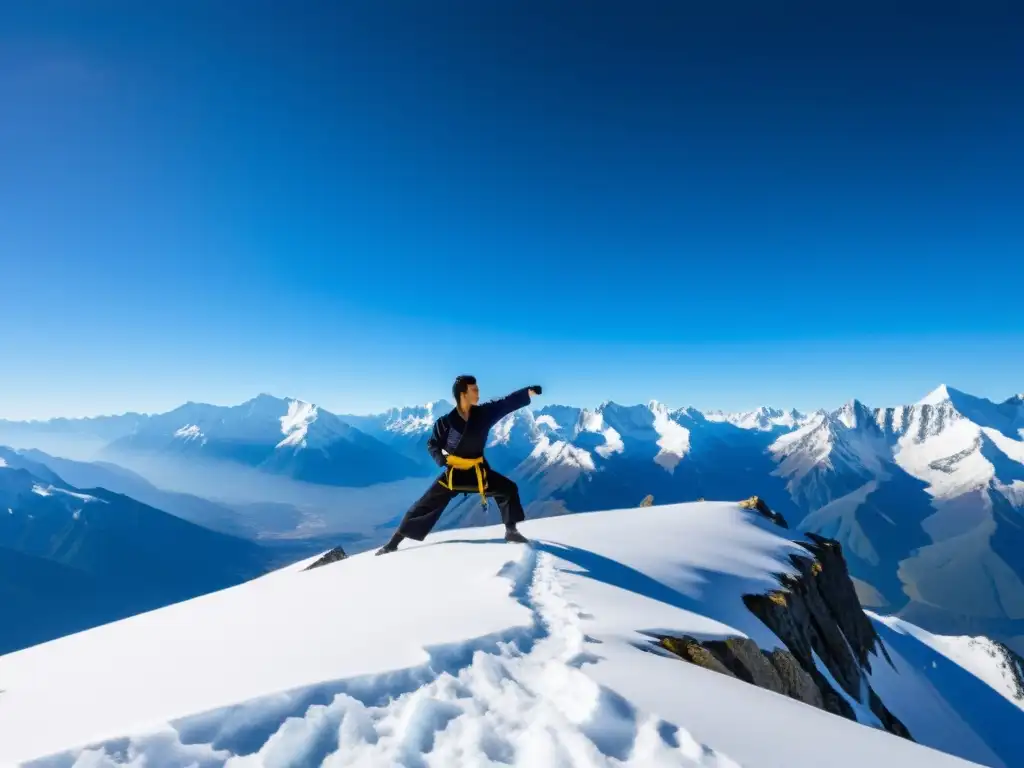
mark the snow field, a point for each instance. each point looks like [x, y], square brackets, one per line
[460, 651]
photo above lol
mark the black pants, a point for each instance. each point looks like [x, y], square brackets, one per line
[424, 514]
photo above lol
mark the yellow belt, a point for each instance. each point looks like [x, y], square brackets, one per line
[457, 462]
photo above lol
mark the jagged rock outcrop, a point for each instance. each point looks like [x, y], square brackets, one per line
[647, 501]
[758, 504]
[1013, 665]
[333, 556]
[739, 657]
[816, 613]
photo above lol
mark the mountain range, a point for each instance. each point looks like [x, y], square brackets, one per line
[289, 438]
[926, 499]
[73, 558]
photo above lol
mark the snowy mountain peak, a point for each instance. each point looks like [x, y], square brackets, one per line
[762, 419]
[263, 402]
[941, 394]
[415, 419]
[855, 414]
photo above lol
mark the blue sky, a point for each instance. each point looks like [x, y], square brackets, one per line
[353, 202]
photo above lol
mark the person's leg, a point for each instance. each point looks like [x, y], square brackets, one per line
[506, 493]
[425, 512]
[421, 517]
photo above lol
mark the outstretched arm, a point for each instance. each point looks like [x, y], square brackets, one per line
[437, 440]
[495, 410]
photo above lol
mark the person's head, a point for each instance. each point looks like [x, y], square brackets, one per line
[465, 391]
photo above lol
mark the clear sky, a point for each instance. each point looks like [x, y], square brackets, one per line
[718, 204]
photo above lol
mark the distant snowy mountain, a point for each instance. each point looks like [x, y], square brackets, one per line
[285, 437]
[72, 438]
[762, 418]
[404, 429]
[662, 636]
[926, 498]
[77, 558]
[100, 427]
[208, 514]
[575, 459]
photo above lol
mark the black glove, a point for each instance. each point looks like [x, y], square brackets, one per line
[537, 388]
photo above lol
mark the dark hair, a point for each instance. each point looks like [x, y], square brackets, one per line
[461, 384]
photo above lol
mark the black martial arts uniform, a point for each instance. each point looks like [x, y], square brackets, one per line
[466, 439]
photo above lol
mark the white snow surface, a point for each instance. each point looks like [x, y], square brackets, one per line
[190, 432]
[547, 421]
[593, 421]
[558, 463]
[416, 419]
[978, 655]
[81, 496]
[938, 395]
[763, 419]
[295, 424]
[459, 651]
[49, 490]
[673, 438]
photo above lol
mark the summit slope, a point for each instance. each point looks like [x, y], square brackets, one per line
[464, 650]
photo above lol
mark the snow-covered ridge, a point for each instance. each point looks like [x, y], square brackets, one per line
[415, 419]
[867, 440]
[49, 490]
[532, 656]
[763, 418]
[990, 662]
[938, 395]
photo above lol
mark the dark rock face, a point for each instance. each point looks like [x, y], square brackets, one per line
[333, 556]
[757, 504]
[779, 671]
[795, 680]
[1014, 666]
[815, 613]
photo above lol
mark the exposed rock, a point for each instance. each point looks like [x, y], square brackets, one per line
[796, 683]
[333, 556]
[740, 657]
[1013, 665]
[816, 613]
[648, 501]
[692, 650]
[758, 504]
[822, 616]
[888, 719]
[748, 662]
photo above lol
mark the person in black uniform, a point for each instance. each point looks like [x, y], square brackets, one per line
[457, 443]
